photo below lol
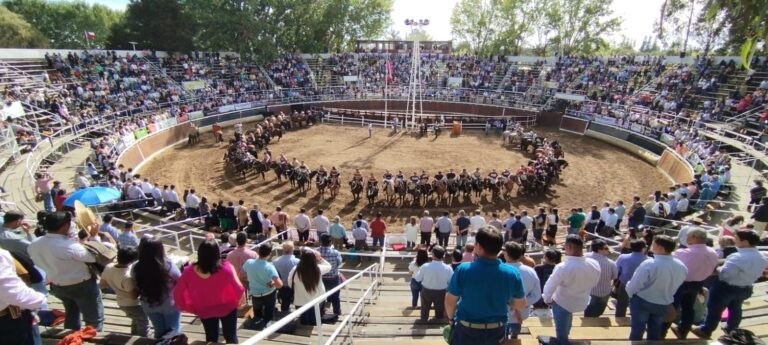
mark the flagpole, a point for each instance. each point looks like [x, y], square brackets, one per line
[87, 41]
[386, 94]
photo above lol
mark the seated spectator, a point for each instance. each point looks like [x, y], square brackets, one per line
[156, 277]
[108, 228]
[305, 280]
[117, 277]
[434, 277]
[192, 293]
[264, 281]
[128, 237]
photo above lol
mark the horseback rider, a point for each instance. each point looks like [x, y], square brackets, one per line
[267, 156]
[321, 173]
[415, 178]
[357, 176]
[372, 182]
[505, 175]
[399, 176]
[303, 168]
[295, 163]
[334, 173]
[439, 176]
[424, 177]
[493, 175]
[387, 177]
[477, 174]
[450, 176]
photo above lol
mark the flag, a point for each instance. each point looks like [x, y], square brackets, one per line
[89, 35]
[389, 71]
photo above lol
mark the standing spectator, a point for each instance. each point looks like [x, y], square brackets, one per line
[58, 200]
[332, 278]
[422, 257]
[192, 293]
[19, 329]
[636, 215]
[434, 277]
[598, 297]
[495, 221]
[517, 231]
[760, 217]
[128, 237]
[117, 276]
[553, 221]
[16, 235]
[513, 252]
[568, 289]
[734, 284]
[64, 262]
[426, 224]
[652, 289]
[378, 230]
[360, 235]
[539, 224]
[284, 264]
[701, 261]
[302, 224]
[627, 265]
[279, 220]
[411, 233]
[575, 221]
[338, 233]
[549, 261]
[476, 222]
[257, 220]
[305, 280]
[239, 256]
[444, 226]
[756, 194]
[155, 277]
[462, 229]
[321, 223]
[43, 187]
[263, 282]
[242, 215]
[476, 308]
[620, 211]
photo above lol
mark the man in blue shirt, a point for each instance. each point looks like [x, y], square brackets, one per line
[734, 285]
[652, 289]
[444, 227]
[480, 293]
[284, 264]
[462, 229]
[331, 279]
[627, 265]
[263, 280]
[107, 227]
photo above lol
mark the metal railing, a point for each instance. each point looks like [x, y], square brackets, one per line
[315, 304]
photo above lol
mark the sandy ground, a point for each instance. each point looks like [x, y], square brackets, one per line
[597, 171]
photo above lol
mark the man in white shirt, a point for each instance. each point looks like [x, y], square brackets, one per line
[476, 222]
[302, 223]
[513, 252]
[321, 223]
[135, 193]
[64, 261]
[568, 288]
[13, 292]
[609, 222]
[146, 188]
[527, 220]
[193, 204]
[172, 199]
[434, 277]
[82, 181]
[682, 206]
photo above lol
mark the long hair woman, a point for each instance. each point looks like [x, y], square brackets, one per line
[306, 283]
[155, 277]
[193, 293]
[422, 257]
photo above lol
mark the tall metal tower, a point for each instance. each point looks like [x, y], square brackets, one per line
[415, 92]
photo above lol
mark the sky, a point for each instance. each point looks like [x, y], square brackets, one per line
[638, 16]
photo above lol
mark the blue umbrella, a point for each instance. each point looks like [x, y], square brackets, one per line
[93, 196]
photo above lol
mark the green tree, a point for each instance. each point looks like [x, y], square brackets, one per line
[15, 32]
[746, 22]
[154, 24]
[479, 23]
[581, 25]
[418, 34]
[65, 22]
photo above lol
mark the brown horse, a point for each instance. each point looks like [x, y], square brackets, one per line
[441, 188]
[334, 186]
[510, 184]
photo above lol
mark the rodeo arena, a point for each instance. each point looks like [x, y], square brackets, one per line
[407, 196]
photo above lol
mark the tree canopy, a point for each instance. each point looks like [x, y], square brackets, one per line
[15, 32]
[154, 24]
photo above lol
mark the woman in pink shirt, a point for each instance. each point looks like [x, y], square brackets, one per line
[193, 293]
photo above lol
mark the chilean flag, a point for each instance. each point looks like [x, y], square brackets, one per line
[389, 71]
[89, 35]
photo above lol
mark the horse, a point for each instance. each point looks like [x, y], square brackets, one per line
[371, 192]
[302, 180]
[510, 184]
[465, 186]
[321, 182]
[193, 137]
[357, 188]
[279, 169]
[414, 191]
[389, 191]
[453, 190]
[260, 168]
[510, 137]
[493, 187]
[400, 190]
[441, 187]
[334, 185]
[425, 190]
[477, 186]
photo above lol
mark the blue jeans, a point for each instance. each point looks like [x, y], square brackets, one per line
[572, 231]
[646, 314]
[330, 283]
[228, 327]
[461, 240]
[725, 296]
[513, 329]
[165, 319]
[415, 289]
[563, 321]
[469, 336]
[48, 202]
[83, 297]
[378, 240]
[286, 298]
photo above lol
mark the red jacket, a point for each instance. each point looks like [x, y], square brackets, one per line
[378, 228]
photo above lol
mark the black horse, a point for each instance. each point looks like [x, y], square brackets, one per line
[357, 188]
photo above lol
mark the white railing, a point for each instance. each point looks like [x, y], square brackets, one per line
[314, 304]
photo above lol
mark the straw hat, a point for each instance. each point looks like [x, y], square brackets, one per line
[84, 215]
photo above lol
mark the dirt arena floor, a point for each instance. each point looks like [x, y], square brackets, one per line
[597, 171]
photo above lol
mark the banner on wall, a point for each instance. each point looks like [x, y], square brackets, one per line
[350, 78]
[636, 128]
[140, 133]
[667, 138]
[454, 81]
[193, 85]
[128, 139]
[606, 120]
[12, 110]
[195, 115]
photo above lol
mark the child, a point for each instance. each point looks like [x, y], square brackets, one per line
[468, 255]
[551, 258]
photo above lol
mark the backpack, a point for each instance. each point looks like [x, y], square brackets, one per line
[740, 337]
[104, 255]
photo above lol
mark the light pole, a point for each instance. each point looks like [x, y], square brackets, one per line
[133, 44]
[415, 79]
